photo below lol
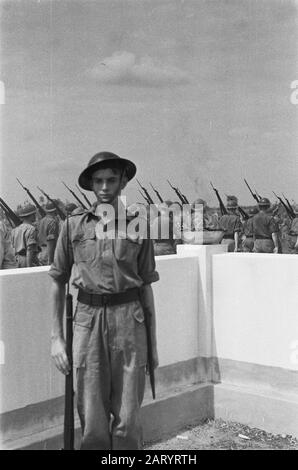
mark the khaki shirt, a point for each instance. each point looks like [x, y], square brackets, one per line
[264, 225]
[102, 265]
[48, 229]
[230, 223]
[24, 237]
[7, 258]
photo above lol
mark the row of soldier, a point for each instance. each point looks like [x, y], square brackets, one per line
[266, 229]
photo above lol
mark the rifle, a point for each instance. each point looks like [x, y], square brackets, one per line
[289, 205]
[179, 194]
[36, 203]
[243, 213]
[69, 393]
[58, 209]
[84, 196]
[257, 194]
[288, 211]
[147, 322]
[147, 200]
[10, 214]
[75, 196]
[254, 195]
[146, 192]
[157, 193]
[223, 209]
[7, 217]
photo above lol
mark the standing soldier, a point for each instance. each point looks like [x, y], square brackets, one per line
[113, 276]
[265, 229]
[292, 236]
[48, 232]
[7, 258]
[231, 225]
[25, 238]
[248, 236]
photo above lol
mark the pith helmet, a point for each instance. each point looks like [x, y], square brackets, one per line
[264, 201]
[253, 211]
[102, 160]
[232, 204]
[49, 207]
[232, 198]
[198, 201]
[70, 207]
[27, 210]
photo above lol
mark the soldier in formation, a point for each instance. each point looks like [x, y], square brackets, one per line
[25, 238]
[230, 224]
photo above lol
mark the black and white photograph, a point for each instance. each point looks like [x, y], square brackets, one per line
[149, 228]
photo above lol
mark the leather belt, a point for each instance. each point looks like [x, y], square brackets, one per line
[259, 237]
[229, 237]
[101, 300]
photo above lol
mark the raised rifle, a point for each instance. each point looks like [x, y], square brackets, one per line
[157, 193]
[84, 196]
[146, 192]
[35, 202]
[147, 200]
[254, 195]
[288, 211]
[10, 214]
[69, 392]
[58, 209]
[243, 213]
[223, 209]
[75, 196]
[289, 206]
[179, 194]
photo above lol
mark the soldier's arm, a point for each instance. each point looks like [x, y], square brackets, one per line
[58, 347]
[60, 273]
[275, 241]
[31, 243]
[51, 245]
[236, 239]
[148, 302]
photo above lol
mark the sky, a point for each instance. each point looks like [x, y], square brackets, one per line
[190, 90]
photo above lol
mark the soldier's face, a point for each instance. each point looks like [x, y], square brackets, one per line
[107, 185]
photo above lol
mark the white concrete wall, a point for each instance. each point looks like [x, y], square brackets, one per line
[256, 308]
[27, 375]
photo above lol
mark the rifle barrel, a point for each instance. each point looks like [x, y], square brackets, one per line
[84, 195]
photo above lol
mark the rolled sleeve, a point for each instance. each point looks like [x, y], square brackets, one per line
[60, 269]
[31, 238]
[146, 263]
[273, 227]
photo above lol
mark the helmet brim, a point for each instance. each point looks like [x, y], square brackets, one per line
[85, 177]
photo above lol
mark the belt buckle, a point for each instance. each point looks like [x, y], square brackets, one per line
[105, 299]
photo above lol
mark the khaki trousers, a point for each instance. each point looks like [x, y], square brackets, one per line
[263, 246]
[110, 355]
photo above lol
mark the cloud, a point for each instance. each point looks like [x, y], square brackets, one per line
[122, 68]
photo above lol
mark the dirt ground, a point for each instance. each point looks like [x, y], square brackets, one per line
[223, 435]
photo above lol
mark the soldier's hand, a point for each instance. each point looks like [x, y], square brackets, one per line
[59, 356]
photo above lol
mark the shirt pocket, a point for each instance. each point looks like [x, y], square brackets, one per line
[83, 322]
[84, 246]
[126, 249]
